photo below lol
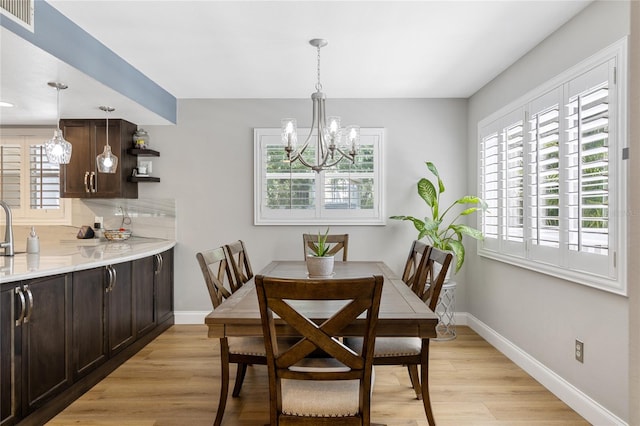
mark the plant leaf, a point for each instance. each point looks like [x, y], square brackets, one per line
[468, 230]
[469, 211]
[427, 191]
[420, 225]
[434, 170]
[458, 250]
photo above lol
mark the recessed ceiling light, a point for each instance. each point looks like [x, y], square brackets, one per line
[6, 104]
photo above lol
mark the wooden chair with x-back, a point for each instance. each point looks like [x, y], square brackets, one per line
[319, 390]
[412, 351]
[239, 263]
[242, 351]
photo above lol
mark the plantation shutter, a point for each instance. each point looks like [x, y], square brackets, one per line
[514, 182]
[489, 188]
[44, 180]
[10, 169]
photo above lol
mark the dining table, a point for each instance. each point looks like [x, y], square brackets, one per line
[401, 314]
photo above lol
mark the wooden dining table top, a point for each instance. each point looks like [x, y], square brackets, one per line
[402, 313]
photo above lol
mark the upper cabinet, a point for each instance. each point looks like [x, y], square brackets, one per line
[80, 178]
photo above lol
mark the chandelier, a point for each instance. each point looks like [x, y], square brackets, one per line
[57, 148]
[333, 143]
[107, 162]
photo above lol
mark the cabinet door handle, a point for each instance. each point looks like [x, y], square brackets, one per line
[30, 310]
[114, 277]
[109, 279]
[23, 306]
[159, 263]
[92, 181]
[86, 184]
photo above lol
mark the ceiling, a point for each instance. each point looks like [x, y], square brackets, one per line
[259, 49]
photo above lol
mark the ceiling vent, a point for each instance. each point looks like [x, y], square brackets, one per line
[20, 11]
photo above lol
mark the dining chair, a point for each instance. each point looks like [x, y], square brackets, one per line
[242, 351]
[339, 241]
[414, 351]
[414, 274]
[319, 390]
[239, 261]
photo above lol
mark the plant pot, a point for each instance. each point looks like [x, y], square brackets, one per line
[320, 267]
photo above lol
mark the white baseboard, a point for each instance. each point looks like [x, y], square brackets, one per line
[580, 402]
[584, 405]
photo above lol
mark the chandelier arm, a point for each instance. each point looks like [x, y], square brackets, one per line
[348, 155]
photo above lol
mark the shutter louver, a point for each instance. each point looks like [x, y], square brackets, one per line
[490, 182]
[588, 170]
[544, 177]
[514, 183]
[44, 180]
[10, 161]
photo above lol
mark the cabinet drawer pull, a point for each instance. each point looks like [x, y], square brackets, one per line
[30, 311]
[86, 184]
[23, 306]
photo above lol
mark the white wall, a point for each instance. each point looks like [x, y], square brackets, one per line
[206, 164]
[540, 314]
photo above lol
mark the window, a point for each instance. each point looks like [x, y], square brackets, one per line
[28, 182]
[289, 193]
[553, 176]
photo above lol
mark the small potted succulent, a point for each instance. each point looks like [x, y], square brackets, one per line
[320, 263]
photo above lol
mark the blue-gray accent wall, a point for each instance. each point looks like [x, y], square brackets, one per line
[62, 38]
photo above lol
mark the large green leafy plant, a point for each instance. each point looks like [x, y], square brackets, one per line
[443, 233]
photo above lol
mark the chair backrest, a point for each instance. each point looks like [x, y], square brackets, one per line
[279, 296]
[240, 266]
[214, 267]
[339, 241]
[415, 271]
[438, 263]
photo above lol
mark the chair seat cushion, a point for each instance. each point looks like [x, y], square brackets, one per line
[254, 345]
[329, 398]
[389, 346]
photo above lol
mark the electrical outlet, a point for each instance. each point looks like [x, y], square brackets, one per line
[579, 351]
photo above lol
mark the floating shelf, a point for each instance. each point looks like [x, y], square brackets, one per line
[143, 179]
[143, 152]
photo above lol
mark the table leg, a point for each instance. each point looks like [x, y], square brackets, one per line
[424, 379]
[224, 380]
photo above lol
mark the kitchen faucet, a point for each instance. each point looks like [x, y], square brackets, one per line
[7, 245]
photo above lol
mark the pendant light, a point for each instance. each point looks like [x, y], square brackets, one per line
[57, 148]
[107, 162]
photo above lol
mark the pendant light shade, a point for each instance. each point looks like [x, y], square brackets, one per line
[107, 162]
[57, 148]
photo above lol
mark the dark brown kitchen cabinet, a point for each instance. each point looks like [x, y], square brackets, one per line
[143, 280]
[61, 335]
[10, 354]
[36, 344]
[88, 318]
[120, 311]
[80, 178]
[164, 285]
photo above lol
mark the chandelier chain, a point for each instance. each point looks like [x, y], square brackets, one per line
[319, 85]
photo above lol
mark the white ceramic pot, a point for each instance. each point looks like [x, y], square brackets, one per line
[320, 267]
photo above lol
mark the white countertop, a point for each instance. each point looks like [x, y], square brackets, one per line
[61, 256]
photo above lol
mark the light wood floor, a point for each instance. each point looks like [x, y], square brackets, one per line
[175, 381]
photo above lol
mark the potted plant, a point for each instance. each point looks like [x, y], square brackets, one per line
[442, 232]
[320, 264]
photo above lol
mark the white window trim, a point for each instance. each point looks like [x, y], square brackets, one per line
[25, 215]
[375, 216]
[616, 283]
